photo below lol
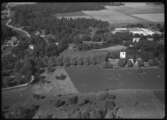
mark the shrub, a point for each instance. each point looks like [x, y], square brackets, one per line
[108, 65]
[140, 63]
[51, 69]
[21, 112]
[61, 77]
[152, 62]
[130, 64]
[122, 62]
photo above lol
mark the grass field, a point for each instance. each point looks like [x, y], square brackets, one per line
[158, 17]
[88, 79]
[123, 14]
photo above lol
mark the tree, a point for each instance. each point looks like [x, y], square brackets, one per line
[94, 60]
[67, 62]
[122, 62]
[59, 61]
[140, 63]
[130, 64]
[74, 61]
[80, 61]
[152, 62]
[108, 65]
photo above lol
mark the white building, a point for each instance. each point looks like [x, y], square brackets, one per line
[131, 60]
[31, 47]
[150, 39]
[141, 31]
[57, 43]
[135, 39]
[122, 55]
[119, 30]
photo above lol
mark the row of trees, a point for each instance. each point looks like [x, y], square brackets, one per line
[68, 61]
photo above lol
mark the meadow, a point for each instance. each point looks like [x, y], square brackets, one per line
[90, 79]
[129, 13]
[158, 17]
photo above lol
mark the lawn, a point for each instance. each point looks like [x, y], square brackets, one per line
[88, 79]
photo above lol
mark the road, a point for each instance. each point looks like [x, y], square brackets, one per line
[24, 32]
[13, 27]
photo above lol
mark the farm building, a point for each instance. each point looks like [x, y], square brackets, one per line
[131, 60]
[72, 47]
[131, 45]
[141, 31]
[31, 47]
[135, 39]
[136, 30]
[150, 39]
[119, 30]
[122, 55]
[12, 42]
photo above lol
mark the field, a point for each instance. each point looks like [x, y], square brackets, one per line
[151, 17]
[129, 13]
[94, 52]
[89, 79]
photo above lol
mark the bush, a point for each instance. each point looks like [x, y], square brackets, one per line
[122, 62]
[152, 62]
[61, 77]
[51, 69]
[21, 112]
[140, 63]
[108, 65]
[130, 64]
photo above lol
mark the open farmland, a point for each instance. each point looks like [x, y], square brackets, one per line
[151, 17]
[88, 79]
[129, 13]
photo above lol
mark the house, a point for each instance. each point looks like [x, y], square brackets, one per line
[141, 31]
[57, 43]
[119, 30]
[131, 45]
[72, 47]
[136, 39]
[31, 47]
[42, 33]
[150, 39]
[131, 60]
[135, 31]
[122, 54]
[12, 42]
